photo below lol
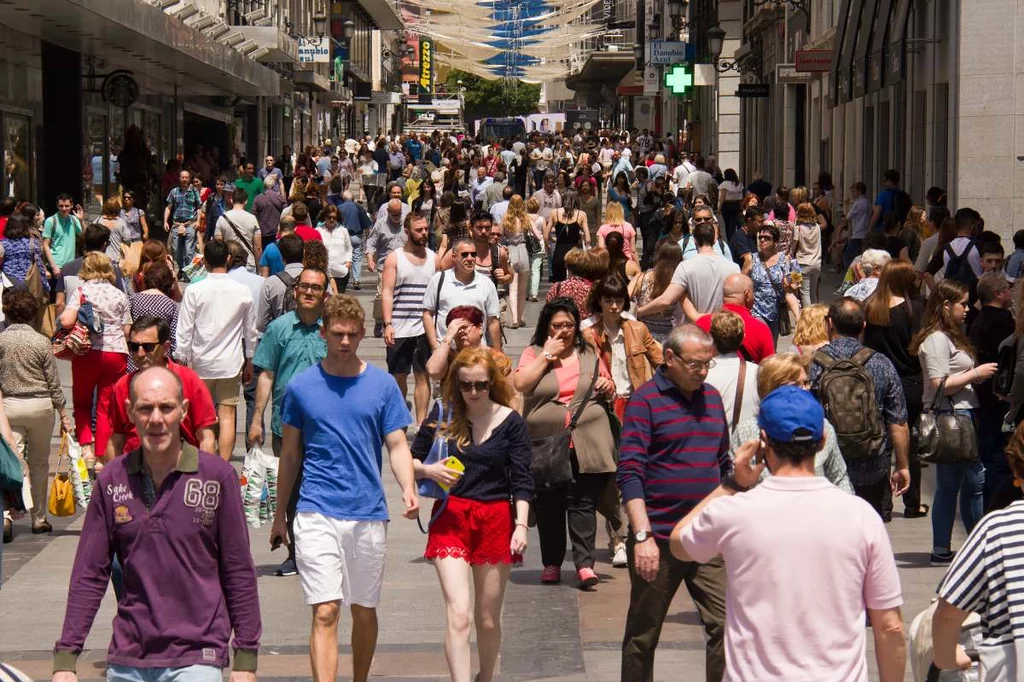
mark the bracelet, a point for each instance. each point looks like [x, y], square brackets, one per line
[523, 525]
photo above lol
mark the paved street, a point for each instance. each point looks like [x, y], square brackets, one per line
[550, 632]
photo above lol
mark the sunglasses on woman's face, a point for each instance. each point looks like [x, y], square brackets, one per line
[478, 386]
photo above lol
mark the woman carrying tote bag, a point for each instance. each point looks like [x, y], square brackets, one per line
[947, 363]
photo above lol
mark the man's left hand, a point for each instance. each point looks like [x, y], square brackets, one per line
[242, 676]
[247, 373]
[900, 481]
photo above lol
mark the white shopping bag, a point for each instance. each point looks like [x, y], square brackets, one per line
[77, 469]
[252, 482]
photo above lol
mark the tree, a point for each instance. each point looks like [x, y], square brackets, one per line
[485, 97]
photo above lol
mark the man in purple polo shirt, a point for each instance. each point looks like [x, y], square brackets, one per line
[174, 516]
[674, 452]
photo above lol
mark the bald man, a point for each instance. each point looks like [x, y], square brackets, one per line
[387, 235]
[738, 297]
[192, 582]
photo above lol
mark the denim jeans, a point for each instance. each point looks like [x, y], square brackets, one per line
[357, 258]
[192, 673]
[852, 250]
[992, 450]
[184, 245]
[967, 479]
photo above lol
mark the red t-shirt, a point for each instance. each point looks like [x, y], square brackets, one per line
[757, 337]
[3, 226]
[201, 411]
[307, 233]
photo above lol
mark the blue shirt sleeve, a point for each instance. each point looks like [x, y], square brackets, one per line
[395, 415]
[268, 352]
[291, 408]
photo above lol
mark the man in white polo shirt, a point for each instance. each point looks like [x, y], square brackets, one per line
[462, 285]
[825, 554]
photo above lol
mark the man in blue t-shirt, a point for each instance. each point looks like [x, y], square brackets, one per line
[885, 201]
[415, 148]
[341, 516]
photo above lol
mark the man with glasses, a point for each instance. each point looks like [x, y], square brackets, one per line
[674, 452]
[385, 236]
[149, 343]
[291, 344]
[463, 286]
[270, 170]
[181, 216]
[217, 338]
[697, 285]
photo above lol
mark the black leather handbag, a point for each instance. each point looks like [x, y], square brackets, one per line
[552, 462]
[946, 437]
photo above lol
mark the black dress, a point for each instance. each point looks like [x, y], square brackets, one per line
[567, 237]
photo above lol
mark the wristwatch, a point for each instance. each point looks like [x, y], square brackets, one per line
[549, 357]
[387, 323]
[730, 483]
[642, 535]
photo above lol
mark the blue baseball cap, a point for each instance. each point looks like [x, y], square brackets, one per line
[790, 414]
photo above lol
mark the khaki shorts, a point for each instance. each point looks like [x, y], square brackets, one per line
[225, 391]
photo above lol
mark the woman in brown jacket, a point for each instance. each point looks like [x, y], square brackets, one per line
[553, 375]
[628, 351]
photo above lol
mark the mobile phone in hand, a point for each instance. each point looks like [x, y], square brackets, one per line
[275, 544]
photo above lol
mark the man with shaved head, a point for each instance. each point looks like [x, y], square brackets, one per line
[738, 297]
[174, 514]
[387, 235]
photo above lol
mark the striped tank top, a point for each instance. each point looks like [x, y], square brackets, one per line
[410, 285]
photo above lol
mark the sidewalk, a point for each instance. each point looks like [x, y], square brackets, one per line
[550, 632]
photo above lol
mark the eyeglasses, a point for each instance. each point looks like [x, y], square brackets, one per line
[697, 365]
[703, 220]
[306, 286]
[562, 326]
[467, 254]
[765, 238]
[478, 386]
[148, 346]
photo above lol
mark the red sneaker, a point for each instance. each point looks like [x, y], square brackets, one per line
[587, 577]
[551, 575]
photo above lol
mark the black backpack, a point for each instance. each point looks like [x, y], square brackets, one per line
[959, 267]
[288, 304]
[847, 393]
[901, 204]
[1006, 359]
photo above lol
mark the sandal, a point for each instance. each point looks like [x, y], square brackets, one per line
[918, 513]
[40, 528]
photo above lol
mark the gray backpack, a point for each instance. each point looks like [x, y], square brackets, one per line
[847, 393]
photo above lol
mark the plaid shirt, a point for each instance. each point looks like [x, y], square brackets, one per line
[185, 204]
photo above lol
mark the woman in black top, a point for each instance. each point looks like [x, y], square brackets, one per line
[474, 531]
[893, 314]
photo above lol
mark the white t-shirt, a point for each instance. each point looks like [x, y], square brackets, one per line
[247, 225]
[926, 252]
[725, 377]
[703, 277]
[826, 557]
[480, 292]
[733, 190]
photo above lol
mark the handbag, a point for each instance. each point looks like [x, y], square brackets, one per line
[11, 476]
[438, 451]
[552, 465]
[946, 437]
[62, 493]
[532, 243]
[67, 343]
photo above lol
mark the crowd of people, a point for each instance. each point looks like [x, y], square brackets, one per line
[654, 392]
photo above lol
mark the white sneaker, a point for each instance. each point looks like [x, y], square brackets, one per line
[619, 559]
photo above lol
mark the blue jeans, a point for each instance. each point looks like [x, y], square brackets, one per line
[967, 479]
[852, 250]
[992, 450]
[192, 673]
[357, 258]
[184, 245]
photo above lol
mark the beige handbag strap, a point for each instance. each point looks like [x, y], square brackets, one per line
[739, 393]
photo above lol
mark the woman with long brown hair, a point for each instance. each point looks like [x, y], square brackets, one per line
[893, 314]
[475, 534]
[652, 284]
[515, 225]
[947, 360]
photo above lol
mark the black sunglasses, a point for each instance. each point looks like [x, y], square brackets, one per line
[148, 346]
[480, 386]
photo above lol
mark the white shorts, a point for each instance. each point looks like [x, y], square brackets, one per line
[340, 560]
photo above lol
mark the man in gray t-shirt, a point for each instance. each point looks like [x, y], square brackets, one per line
[697, 284]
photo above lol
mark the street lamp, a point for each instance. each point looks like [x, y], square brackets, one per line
[716, 37]
[348, 29]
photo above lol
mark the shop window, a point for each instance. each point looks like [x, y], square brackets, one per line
[918, 131]
[883, 137]
[18, 159]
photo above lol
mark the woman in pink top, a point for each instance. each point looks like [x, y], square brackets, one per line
[616, 222]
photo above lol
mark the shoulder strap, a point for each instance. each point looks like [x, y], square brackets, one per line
[239, 235]
[862, 356]
[739, 393]
[586, 396]
[823, 359]
[495, 259]
[437, 298]
[286, 277]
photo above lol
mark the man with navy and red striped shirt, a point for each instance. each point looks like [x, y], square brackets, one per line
[674, 452]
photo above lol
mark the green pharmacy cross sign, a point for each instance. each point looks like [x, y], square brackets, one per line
[679, 79]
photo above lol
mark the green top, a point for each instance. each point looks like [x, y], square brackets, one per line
[63, 235]
[287, 348]
[251, 187]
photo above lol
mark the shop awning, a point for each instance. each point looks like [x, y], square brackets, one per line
[859, 72]
[842, 59]
[161, 50]
[876, 56]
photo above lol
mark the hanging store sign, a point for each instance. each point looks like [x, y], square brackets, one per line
[788, 73]
[426, 79]
[813, 60]
[668, 52]
[320, 54]
[753, 90]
